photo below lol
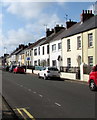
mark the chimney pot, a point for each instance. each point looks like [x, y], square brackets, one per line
[86, 11]
[83, 11]
[91, 11]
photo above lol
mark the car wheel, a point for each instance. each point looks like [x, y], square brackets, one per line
[92, 85]
[45, 77]
[38, 75]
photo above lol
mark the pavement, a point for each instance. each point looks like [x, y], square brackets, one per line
[6, 112]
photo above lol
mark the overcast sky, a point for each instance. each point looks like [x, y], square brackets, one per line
[24, 22]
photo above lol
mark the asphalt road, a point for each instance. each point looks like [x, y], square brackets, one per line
[38, 98]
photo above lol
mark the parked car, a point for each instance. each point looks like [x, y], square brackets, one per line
[93, 79]
[49, 72]
[5, 68]
[11, 68]
[19, 69]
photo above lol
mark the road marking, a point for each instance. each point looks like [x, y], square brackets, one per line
[25, 111]
[21, 85]
[58, 104]
[40, 95]
[34, 92]
[29, 89]
[21, 113]
[29, 115]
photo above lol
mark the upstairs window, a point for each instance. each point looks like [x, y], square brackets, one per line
[35, 51]
[79, 42]
[54, 47]
[59, 46]
[68, 45]
[43, 50]
[47, 49]
[30, 52]
[39, 51]
[90, 40]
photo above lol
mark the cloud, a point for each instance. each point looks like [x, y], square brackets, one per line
[91, 8]
[33, 29]
[26, 10]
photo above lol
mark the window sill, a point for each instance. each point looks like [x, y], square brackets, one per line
[79, 48]
[90, 47]
[69, 50]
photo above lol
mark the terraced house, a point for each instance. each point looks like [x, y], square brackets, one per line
[79, 44]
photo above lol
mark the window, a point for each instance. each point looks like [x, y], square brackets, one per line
[54, 47]
[26, 53]
[79, 42]
[53, 62]
[39, 62]
[38, 50]
[30, 52]
[43, 50]
[68, 45]
[47, 49]
[35, 52]
[35, 62]
[90, 60]
[90, 40]
[69, 62]
[48, 62]
[59, 46]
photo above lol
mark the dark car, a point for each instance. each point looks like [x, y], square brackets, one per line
[5, 68]
[11, 68]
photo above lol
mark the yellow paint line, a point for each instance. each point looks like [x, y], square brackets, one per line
[29, 115]
[21, 113]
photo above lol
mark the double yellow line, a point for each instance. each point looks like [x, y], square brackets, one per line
[25, 111]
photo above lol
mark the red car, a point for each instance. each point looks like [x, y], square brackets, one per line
[93, 79]
[19, 69]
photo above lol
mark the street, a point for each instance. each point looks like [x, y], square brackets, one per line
[39, 98]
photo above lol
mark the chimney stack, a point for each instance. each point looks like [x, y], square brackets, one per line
[70, 23]
[49, 32]
[58, 28]
[86, 14]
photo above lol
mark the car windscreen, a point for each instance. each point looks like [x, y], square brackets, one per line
[53, 69]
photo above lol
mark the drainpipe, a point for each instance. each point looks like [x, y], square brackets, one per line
[81, 66]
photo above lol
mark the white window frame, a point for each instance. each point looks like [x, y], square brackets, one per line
[68, 45]
[90, 60]
[69, 62]
[79, 42]
[59, 46]
[54, 47]
[35, 52]
[90, 40]
[53, 62]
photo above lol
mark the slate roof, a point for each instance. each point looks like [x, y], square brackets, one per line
[80, 27]
[38, 42]
[52, 37]
[75, 29]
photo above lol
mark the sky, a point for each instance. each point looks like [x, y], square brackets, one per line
[26, 22]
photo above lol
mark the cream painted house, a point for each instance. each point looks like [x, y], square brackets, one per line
[72, 51]
[79, 44]
[80, 41]
[90, 46]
